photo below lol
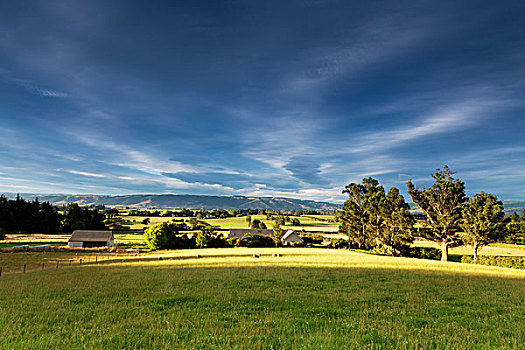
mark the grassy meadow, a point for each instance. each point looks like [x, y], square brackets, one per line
[307, 298]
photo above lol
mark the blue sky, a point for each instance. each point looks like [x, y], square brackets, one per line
[269, 98]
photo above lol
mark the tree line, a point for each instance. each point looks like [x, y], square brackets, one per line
[21, 216]
[381, 221]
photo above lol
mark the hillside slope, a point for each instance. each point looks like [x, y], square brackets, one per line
[184, 201]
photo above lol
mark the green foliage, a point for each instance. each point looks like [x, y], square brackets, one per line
[158, 236]
[516, 228]
[82, 218]
[166, 236]
[373, 219]
[258, 224]
[312, 239]
[295, 222]
[513, 262]
[394, 234]
[280, 220]
[19, 215]
[146, 221]
[204, 237]
[483, 221]
[252, 240]
[442, 204]
[425, 253]
[278, 233]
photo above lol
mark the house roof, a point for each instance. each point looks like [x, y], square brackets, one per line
[291, 236]
[91, 236]
[287, 234]
[240, 232]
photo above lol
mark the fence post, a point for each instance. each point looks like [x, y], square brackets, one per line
[42, 266]
[57, 264]
[69, 262]
[80, 261]
[96, 259]
[24, 268]
[0, 270]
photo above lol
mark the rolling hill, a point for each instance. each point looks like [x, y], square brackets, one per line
[183, 201]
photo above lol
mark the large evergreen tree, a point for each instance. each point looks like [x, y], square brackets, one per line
[373, 219]
[395, 235]
[442, 204]
[482, 224]
[356, 214]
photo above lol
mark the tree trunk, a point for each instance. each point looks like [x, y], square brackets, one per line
[476, 247]
[444, 251]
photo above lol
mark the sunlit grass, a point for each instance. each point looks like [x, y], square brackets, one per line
[306, 298]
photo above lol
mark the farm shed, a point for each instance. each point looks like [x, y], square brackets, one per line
[291, 237]
[88, 239]
[239, 233]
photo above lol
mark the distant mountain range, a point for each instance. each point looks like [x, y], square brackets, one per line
[508, 205]
[206, 202]
[512, 206]
[182, 201]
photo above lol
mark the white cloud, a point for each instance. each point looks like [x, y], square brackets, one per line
[84, 173]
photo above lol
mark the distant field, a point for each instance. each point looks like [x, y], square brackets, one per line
[494, 249]
[308, 298]
[307, 223]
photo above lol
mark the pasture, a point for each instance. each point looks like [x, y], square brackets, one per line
[307, 298]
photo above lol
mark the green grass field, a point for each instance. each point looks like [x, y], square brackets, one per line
[308, 298]
[308, 223]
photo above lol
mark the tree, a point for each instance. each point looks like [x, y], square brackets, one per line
[249, 219]
[360, 216]
[373, 219]
[280, 219]
[482, 223]
[516, 228]
[204, 237]
[395, 236]
[158, 236]
[295, 222]
[78, 218]
[258, 224]
[146, 221]
[442, 204]
[277, 233]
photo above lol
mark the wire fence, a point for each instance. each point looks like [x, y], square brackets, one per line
[49, 264]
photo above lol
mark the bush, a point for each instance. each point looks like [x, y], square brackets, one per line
[2, 234]
[251, 240]
[164, 235]
[338, 243]
[424, 253]
[181, 242]
[513, 262]
[312, 239]
[158, 236]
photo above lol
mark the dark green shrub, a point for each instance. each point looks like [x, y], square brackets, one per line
[312, 239]
[338, 243]
[424, 253]
[251, 240]
[181, 242]
[513, 262]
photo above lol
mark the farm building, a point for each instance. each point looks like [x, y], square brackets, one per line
[88, 239]
[291, 237]
[239, 233]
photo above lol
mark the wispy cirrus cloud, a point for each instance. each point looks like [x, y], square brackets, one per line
[35, 89]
